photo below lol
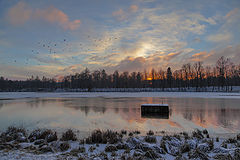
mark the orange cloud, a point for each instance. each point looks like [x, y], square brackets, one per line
[131, 63]
[170, 56]
[73, 68]
[140, 63]
[20, 13]
[54, 15]
[122, 14]
[133, 8]
[232, 13]
[119, 14]
[200, 56]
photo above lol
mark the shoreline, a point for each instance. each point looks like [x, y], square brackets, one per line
[22, 95]
[45, 144]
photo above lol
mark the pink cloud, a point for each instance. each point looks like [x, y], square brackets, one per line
[20, 13]
[232, 13]
[133, 8]
[54, 15]
[200, 56]
[124, 14]
[140, 63]
[73, 68]
[171, 56]
[119, 14]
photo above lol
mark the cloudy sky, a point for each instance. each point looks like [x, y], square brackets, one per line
[59, 37]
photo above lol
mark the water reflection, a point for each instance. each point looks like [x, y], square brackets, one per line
[1, 104]
[157, 115]
[86, 114]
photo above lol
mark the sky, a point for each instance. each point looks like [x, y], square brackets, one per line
[58, 37]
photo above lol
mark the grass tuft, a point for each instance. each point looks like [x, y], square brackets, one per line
[207, 136]
[197, 154]
[205, 131]
[177, 136]
[150, 139]
[64, 146]
[197, 134]
[69, 135]
[123, 132]
[14, 134]
[150, 133]
[46, 134]
[185, 135]
[82, 149]
[166, 137]
[136, 132]
[185, 148]
[98, 136]
[13, 130]
[231, 140]
[210, 144]
[238, 137]
[130, 134]
[163, 145]
[110, 148]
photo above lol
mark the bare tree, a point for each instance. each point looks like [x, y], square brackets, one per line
[187, 73]
[198, 71]
[169, 77]
[224, 74]
[221, 66]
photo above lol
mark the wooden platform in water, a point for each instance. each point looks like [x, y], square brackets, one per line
[156, 111]
[155, 108]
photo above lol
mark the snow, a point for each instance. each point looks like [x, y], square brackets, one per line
[17, 154]
[137, 145]
[19, 95]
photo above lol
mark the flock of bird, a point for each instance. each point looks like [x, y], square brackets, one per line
[52, 48]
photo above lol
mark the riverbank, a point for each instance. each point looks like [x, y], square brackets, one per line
[20, 95]
[17, 143]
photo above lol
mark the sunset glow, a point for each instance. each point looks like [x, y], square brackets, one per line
[58, 38]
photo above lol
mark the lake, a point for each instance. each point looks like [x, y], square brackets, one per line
[218, 115]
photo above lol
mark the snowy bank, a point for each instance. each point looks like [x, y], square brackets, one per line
[18, 95]
[15, 143]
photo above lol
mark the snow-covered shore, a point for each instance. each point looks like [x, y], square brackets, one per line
[19, 95]
[44, 144]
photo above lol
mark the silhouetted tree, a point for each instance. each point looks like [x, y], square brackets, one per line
[224, 75]
[169, 77]
[221, 66]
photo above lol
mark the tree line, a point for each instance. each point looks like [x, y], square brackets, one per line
[225, 74]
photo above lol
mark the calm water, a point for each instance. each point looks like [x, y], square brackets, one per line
[86, 114]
